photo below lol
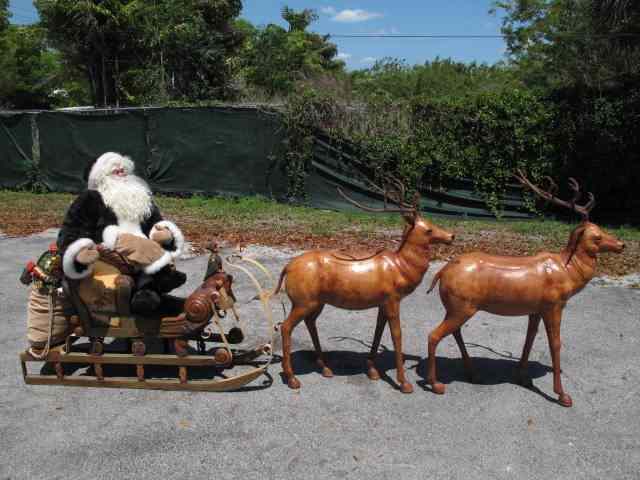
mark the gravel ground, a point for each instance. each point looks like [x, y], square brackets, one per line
[631, 281]
[347, 426]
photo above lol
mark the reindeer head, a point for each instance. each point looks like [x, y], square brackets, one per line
[587, 237]
[421, 231]
[591, 239]
[430, 233]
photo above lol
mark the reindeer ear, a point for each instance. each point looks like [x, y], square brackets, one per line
[574, 240]
[410, 218]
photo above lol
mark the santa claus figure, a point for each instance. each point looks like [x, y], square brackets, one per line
[117, 212]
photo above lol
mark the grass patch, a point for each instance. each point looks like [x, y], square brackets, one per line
[261, 221]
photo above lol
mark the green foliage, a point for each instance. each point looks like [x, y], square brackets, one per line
[598, 142]
[428, 142]
[31, 74]
[304, 114]
[484, 138]
[299, 21]
[91, 35]
[564, 43]
[274, 58]
[584, 55]
[5, 14]
[189, 44]
[135, 51]
[436, 79]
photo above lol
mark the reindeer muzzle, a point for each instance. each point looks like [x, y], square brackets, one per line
[612, 245]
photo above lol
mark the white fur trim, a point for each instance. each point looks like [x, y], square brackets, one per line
[178, 237]
[111, 232]
[103, 166]
[110, 236]
[69, 258]
[126, 226]
[159, 264]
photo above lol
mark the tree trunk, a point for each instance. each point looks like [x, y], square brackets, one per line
[104, 81]
[163, 85]
[117, 82]
[91, 73]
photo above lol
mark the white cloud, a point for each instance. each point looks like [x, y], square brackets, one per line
[354, 16]
[343, 56]
[368, 60]
[328, 10]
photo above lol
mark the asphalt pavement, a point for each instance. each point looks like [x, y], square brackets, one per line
[346, 426]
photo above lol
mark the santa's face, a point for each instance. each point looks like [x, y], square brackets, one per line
[124, 192]
[119, 171]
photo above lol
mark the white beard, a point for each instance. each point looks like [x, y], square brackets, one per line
[129, 197]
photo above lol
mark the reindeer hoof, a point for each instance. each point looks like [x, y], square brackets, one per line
[406, 387]
[373, 373]
[438, 388]
[293, 383]
[565, 400]
[327, 372]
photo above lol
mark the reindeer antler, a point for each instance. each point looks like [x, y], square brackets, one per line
[396, 197]
[549, 196]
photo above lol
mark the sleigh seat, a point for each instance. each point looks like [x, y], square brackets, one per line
[103, 303]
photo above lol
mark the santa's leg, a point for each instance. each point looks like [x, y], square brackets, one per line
[167, 279]
[145, 301]
[158, 274]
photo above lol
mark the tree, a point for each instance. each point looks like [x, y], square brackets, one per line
[298, 21]
[199, 43]
[5, 79]
[275, 58]
[561, 43]
[94, 36]
[439, 78]
[5, 14]
[136, 51]
[32, 75]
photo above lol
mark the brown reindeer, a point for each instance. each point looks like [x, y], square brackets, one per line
[320, 277]
[538, 286]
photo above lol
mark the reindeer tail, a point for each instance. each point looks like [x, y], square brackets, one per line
[276, 290]
[282, 275]
[436, 279]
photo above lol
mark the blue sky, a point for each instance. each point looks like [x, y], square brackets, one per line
[440, 17]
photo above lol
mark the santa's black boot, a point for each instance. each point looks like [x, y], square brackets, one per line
[145, 301]
[167, 279]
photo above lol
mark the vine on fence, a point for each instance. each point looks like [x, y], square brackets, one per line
[305, 113]
[426, 143]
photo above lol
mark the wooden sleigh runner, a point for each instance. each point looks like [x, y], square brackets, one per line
[195, 350]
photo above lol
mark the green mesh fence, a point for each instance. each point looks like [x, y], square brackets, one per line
[70, 142]
[17, 167]
[211, 151]
[215, 150]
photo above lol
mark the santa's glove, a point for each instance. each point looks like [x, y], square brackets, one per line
[87, 255]
[161, 235]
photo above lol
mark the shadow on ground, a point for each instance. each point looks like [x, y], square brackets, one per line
[487, 371]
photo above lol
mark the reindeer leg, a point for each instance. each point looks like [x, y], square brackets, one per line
[457, 334]
[294, 318]
[392, 313]
[532, 330]
[450, 324]
[552, 320]
[372, 371]
[310, 321]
